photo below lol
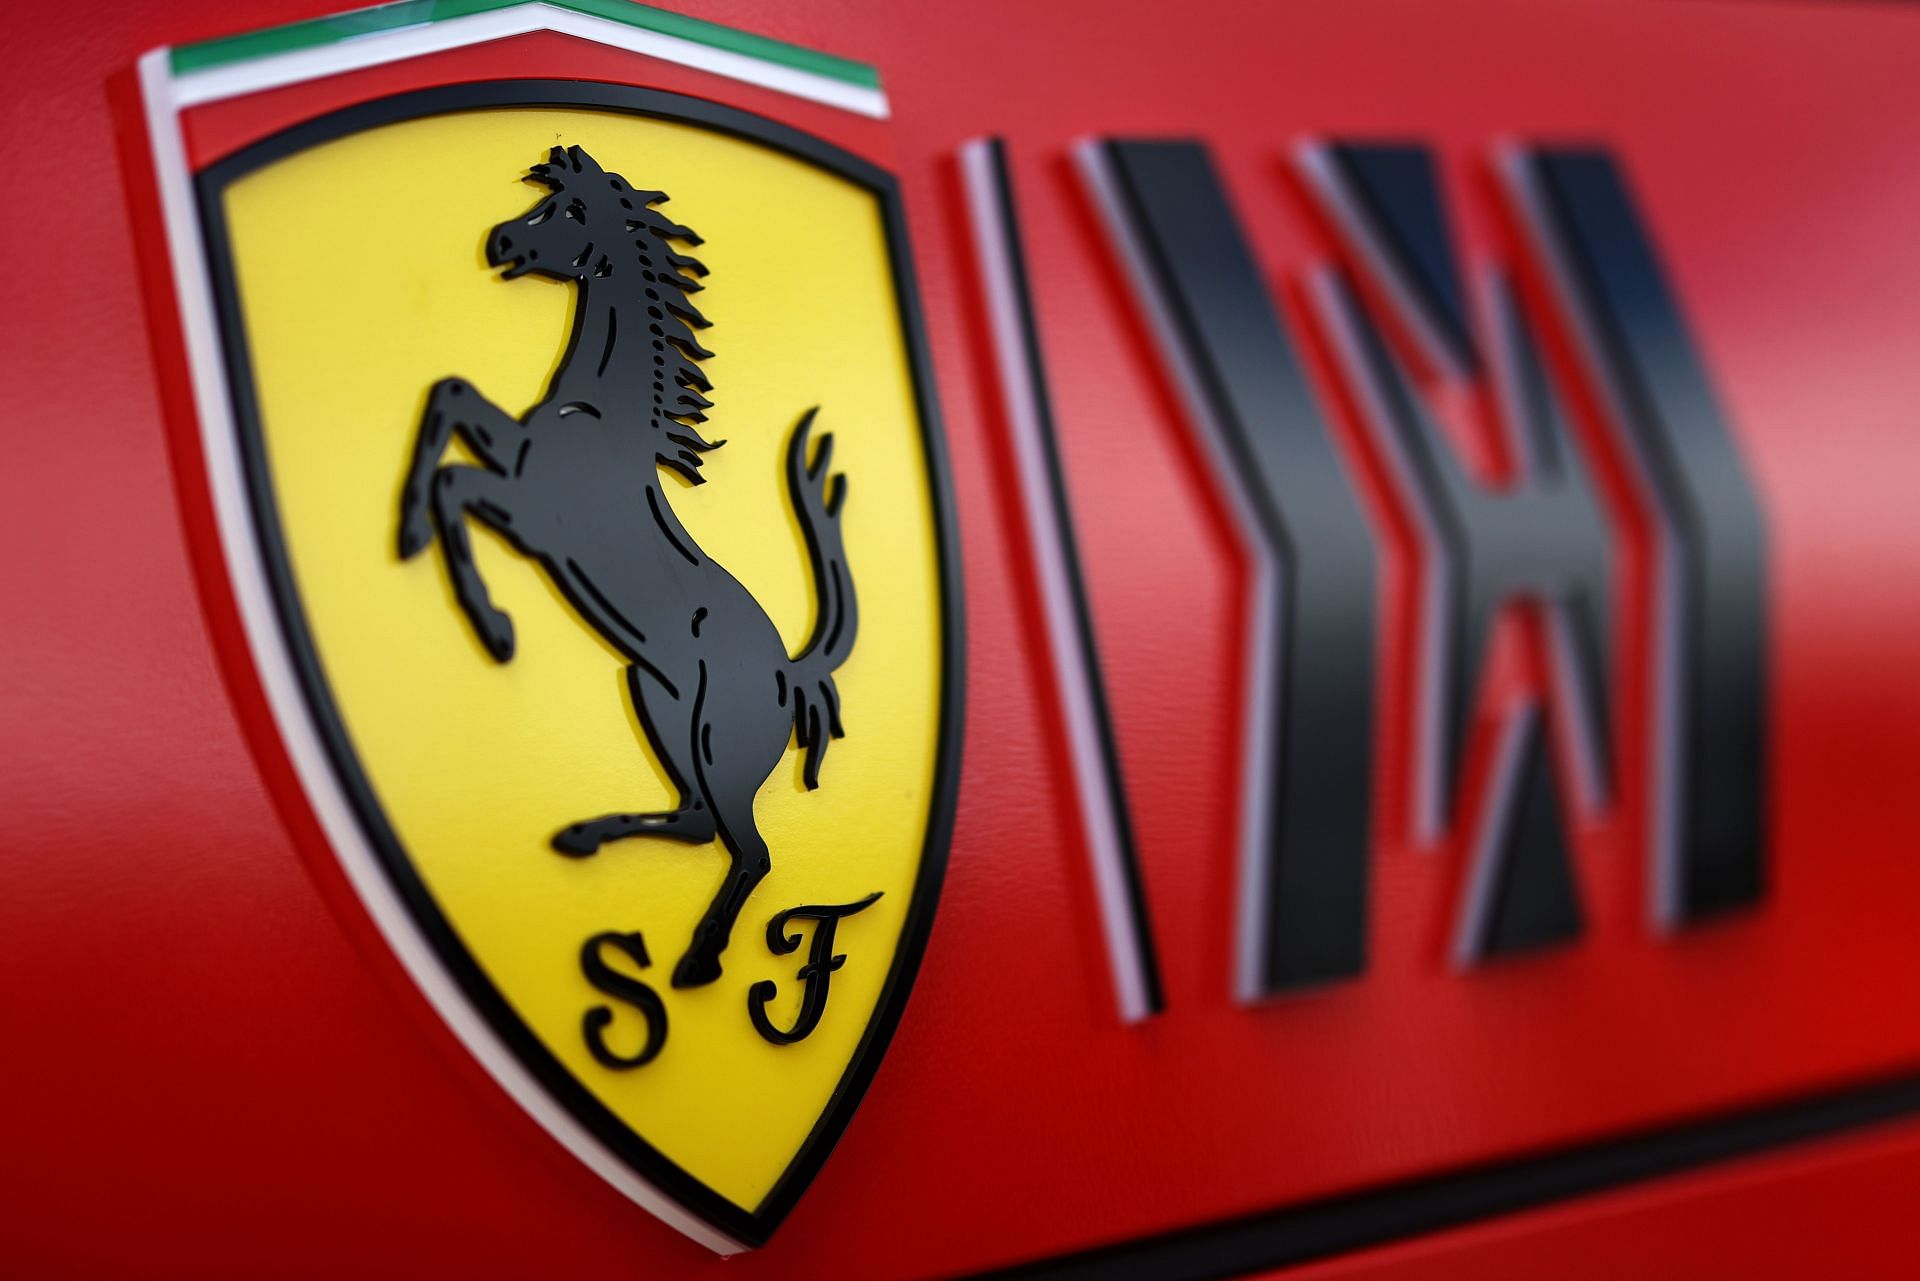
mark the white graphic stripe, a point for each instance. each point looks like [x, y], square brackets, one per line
[1074, 680]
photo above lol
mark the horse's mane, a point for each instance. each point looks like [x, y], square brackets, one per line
[666, 281]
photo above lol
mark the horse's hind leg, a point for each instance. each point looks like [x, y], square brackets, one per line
[741, 731]
[749, 862]
[691, 820]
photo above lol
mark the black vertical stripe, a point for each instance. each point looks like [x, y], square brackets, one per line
[1319, 797]
[1694, 467]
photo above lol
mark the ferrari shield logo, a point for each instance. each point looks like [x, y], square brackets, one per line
[592, 478]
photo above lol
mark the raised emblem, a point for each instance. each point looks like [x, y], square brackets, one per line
[575, 763]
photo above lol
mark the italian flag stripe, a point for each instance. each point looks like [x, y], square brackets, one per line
[320, 32]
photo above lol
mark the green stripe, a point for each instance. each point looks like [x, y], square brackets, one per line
[412, 13]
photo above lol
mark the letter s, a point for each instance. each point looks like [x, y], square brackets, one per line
[626, 988]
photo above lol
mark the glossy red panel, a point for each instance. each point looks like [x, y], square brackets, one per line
[215, 1066]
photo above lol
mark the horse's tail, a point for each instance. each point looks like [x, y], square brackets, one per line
[817, 497]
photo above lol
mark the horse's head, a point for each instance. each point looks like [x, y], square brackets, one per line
[568, 233]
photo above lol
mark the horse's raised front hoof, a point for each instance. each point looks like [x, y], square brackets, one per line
[577, 841]
[696, 969]
[415, 532]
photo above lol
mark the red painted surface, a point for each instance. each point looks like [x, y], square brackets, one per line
[1835, 1209]
[214, 1067]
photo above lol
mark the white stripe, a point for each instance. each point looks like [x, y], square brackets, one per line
[1261, 726]
[377, 48]
[273, 661]
[1072, 679]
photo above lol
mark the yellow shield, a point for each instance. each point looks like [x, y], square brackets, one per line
[593, 460]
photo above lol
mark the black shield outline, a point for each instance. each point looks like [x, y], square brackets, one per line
[749, 1227]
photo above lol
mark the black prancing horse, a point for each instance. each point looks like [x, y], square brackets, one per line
[576, 485]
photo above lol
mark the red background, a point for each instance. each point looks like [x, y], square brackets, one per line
[214, 1067]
